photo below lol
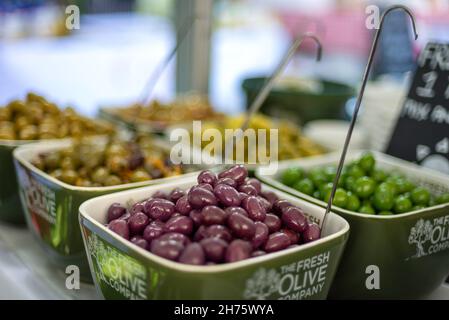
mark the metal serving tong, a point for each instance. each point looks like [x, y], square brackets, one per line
[359, 100]
[269, 84]
[181, 34]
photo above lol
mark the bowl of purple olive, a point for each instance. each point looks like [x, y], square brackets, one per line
[218, 235]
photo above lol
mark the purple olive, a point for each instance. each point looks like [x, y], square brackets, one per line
[255, 183]
[312, 233]
[153, 231]
[218, 231]
[273, 222]
[238, 250]
[199, 197]
[254, 208]
[138, 222]
[294, 218]
[214, 249]
[180, 224]
[243, 196]
[227, 181]
[168, 249]
[227, 195]
[200, 234]
[237, 173]
[183, 206]
[241, 226]
[277, 241]
[193, 254]
[260, 235]
[115, 211]
[197, 217]
[120, 227]
[213, 215]
[176, 194]
[231, 210]
[280, 205]
[206, 186]
[265, 203]
[126, 216]
[270, 196]
[139, 241]
[248, 189]
[160, 209]
[292, 235]
[258, 253]
[137, 207]
[176, 236]
[160, 195]
[208, 177]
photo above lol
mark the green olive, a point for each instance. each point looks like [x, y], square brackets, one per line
[69, 176]
[100, 175]
[292, 176]
[112, 180]
[402, 205]
[116, 164]
[364, 187]
[420, 196]
[68, 163]
[353, 202]
[57, 174]
[29, 132]
[367, 162]
[305, 186]
[140, 175]
[52, 160]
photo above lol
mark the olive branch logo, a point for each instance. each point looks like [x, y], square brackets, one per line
[419, 235]
[262, 284]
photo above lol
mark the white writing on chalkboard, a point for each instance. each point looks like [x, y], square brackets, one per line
[440, 115]
[437, 55]
[420, 111]
[446, 93]
[415, 110]
[427, 91]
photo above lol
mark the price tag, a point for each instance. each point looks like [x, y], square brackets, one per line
[421, 134]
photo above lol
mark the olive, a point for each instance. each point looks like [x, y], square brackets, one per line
[420, 196]
[69, 176]
[305, 186]
[139, 175]
[112, 180]
[290, 176]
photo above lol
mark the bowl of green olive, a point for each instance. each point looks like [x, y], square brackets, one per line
[399, 218]
[30, 120]
[56, 177]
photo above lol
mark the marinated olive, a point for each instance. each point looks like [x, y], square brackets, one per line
[204, 228]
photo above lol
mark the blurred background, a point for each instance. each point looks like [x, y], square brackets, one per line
[108, 60]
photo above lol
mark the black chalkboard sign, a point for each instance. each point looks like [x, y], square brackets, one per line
[421, 134]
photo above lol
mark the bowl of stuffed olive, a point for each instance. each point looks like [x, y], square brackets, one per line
[56, 177]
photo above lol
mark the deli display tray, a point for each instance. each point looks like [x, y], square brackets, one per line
[26, 272]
